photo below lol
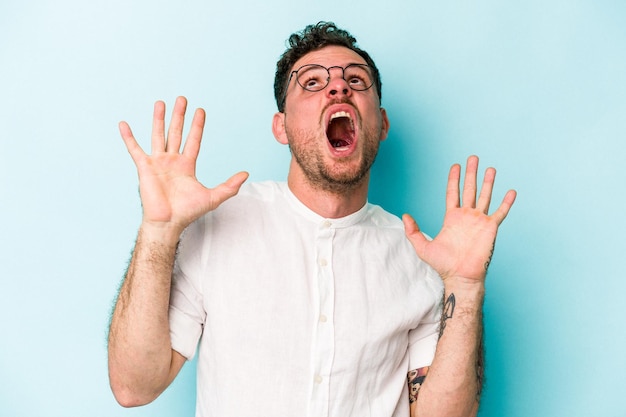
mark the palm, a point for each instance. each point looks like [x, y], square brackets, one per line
[170, 192]
[464, 246]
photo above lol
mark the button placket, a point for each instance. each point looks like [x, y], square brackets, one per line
[324, 342]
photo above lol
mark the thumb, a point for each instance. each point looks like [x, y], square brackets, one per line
[228, 188]
[414, 234]
[236, 181]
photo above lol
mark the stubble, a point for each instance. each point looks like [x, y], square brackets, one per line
[336, 177]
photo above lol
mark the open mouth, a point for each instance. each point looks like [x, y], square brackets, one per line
[340, 130]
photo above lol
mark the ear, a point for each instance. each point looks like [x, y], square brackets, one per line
[385, 124]
[278, 128]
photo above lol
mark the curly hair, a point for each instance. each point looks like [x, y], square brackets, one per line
[312, 38]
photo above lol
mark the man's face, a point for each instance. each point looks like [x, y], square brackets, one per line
[333, 134]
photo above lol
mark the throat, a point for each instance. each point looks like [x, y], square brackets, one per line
[339, 143]
[340, 132]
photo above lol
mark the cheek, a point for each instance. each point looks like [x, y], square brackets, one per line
[304, 117]
[372, 119]
[302, 102]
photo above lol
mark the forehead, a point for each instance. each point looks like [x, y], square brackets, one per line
[330, 56]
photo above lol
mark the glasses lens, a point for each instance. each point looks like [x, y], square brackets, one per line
[358, 77]
[313, 77]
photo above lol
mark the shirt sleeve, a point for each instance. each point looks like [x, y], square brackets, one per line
[186, 312]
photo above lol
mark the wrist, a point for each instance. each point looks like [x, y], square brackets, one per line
[464, 283]
[469, 290]
[164, 234]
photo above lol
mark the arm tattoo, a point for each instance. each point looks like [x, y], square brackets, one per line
[415, 379]
[448, 312]
[480, 367]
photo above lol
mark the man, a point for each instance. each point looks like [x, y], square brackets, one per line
[306, 299]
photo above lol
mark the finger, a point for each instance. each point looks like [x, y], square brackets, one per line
[484, 199]
[452, 192]
[132, 146]
[507, 202]
[192, 145]
[414, 234]
[469, 184]
[228, 188]
[158, 127]
[175, 131]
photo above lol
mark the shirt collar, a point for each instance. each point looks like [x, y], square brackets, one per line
[312, 216]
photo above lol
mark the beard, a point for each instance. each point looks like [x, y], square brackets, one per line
[337, 177]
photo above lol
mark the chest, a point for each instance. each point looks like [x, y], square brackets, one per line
[360, 287]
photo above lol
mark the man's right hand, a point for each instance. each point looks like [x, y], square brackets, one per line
[171, 195]
[142, 362]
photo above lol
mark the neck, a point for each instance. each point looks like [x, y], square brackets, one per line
[331, 204]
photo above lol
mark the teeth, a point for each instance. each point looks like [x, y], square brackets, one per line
[340, 114]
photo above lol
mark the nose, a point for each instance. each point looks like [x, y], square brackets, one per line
[337, 86]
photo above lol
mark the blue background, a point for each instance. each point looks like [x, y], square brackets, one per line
[536, 88]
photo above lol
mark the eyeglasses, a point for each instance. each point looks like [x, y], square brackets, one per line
[314, 77]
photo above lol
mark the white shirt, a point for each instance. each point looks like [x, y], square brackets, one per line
[298, 315]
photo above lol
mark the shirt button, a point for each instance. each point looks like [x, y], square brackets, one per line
[326, 224]
[323, 318]
[318, 379]
[323, 262]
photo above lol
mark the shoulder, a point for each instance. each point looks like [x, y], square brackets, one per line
[256, 206]
[263, 191]
[248, 204]
[252, 196]
[392, 238]
[379, 217]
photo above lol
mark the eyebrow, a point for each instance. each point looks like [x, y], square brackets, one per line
[332, 66]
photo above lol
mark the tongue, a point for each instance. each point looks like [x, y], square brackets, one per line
[340, 132]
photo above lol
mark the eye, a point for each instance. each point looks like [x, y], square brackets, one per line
[356, 81]
[311, 82]
[358, 77]
[313, 78]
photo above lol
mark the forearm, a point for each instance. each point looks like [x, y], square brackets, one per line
[453, 385]
[140, 354]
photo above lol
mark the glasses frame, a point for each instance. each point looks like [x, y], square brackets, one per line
[343, 75]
